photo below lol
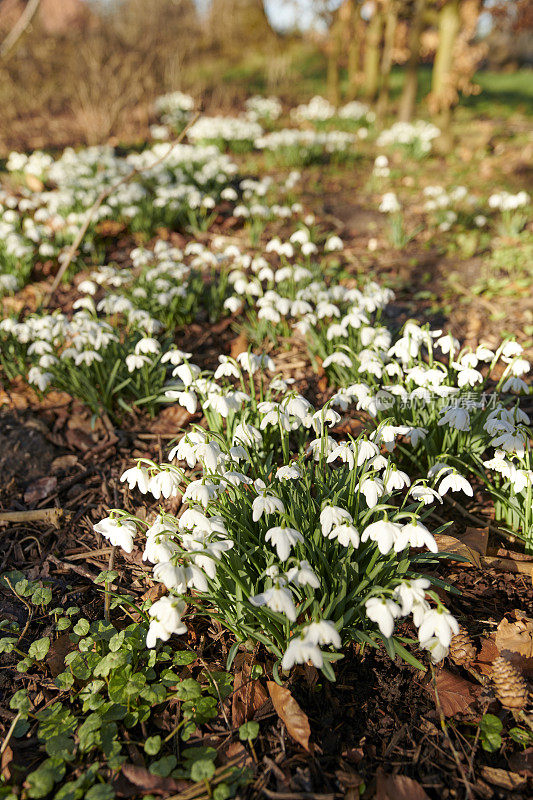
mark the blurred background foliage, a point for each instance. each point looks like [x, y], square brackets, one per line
[87, 72]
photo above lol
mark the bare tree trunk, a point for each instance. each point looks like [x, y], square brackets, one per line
[386, 59]
[333, 65]
[372, 54]
[410, 87]
[449, 24]
[354, 50]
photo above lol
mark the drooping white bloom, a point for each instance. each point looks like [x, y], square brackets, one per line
[266, 504]
[120, 532]
[136, 476]
[384, 533]
[331, 516]
[283, 539]
[166, 616]
[323, 632]
[303, 575]
[410, 593]
[425, 493]
[456, 483]
[383, 611]
[300, 651]
[165, 482]
[288, 472]
[414, 534]
[440, 623]
[278, 598]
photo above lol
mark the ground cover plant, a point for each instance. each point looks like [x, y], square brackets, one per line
[271, 534]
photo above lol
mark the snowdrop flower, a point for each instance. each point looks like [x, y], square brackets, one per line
[332, 516]
[120, 533]
[384, 533]
[176, 357]
[247, 435]
[395, 479]
[166, 616]
[511, 441]
[187, 373]
[424, 493]
[136, 476]
[456, 417]
[303, 575]
[323, 632]
[323, 417]
[147, 345]
[435, 648]
[171, 575]
[372, 489]
[389, 203]
[468, 376]
[384, 612]
[440, 623]
[346, 535]
[277, 598]
[165, 483]
[456, 483]
[416, 435]
[283, 539]
[333, 243]
[410, 593]
[338, 358]
[289, 472]
[201, 492]
[134, 361]
[300, 651]
[416, 535]
[227, 368]
[266, 504]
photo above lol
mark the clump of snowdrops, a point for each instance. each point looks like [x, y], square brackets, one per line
[290, 536]
[458, 407]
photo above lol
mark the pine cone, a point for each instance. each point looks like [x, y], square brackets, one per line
[509, 685]
[462, 651]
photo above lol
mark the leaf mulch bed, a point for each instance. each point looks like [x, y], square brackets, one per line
[379, 724]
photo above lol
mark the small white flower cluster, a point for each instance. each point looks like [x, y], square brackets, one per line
[357, 111]
[417, 135]
[505, 201]
[225, 130]
[284, 545]
[263, 108]
[318, 109]
[326, 141]
[174, 108]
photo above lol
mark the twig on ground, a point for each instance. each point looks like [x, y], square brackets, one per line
[51, 515]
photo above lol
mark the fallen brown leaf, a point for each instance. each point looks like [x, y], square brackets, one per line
[456, 695]
[449, 544]
[487, 655]
[290, 713]
[239, 345]
[476, 539]
[514, 640]
[152, 784]
[41, 488]
[522, 762]
[7, 758]
[398, 787]
[505, 780]
[248, 695]
[171, 419]
[56, 655]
